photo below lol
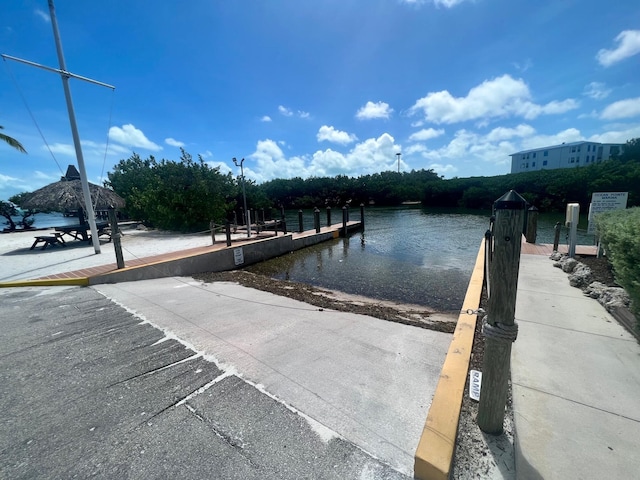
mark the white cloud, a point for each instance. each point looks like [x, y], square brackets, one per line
[285, 111]
[173, 142]
[266, 118]
[330, 134]
[415, 148]
[622, 109]
[425, 134]
[441, 169]
[618, 134]
[374, 110]
[503, 133]
[43, 15]
[537, 141]
[628, 46]
[500, 97]
[61, 149]
[596, 90]
[371, 156]
[523, 67]
[224, 168]
[437, 3]
[206, 154]
[132, 137]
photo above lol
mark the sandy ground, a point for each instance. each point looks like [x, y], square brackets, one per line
[18, 262]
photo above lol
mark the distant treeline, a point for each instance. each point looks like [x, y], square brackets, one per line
[548, 190]
[186, 194]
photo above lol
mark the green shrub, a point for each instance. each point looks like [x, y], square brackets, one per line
[619, 233]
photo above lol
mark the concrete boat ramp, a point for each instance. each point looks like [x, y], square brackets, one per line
[173, 378]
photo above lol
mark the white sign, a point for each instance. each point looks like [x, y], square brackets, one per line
[475, 384]
[605, 202]
[238, 256]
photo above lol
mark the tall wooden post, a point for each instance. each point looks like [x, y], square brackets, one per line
[532, 225]
[328, 216]
[115, 236]
[316, 219]
[212, 227]
[227, 228]
[345, 216]
[500, 329]
[556, 236]
[362, 216]
[300, 222]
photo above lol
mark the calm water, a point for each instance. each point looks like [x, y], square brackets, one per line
[409, 255]
[47, 220]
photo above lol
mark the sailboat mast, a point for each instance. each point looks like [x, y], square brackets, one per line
[74, 132]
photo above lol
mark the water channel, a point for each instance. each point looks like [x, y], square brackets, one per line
[415, 255]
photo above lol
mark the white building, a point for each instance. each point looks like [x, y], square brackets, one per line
[567, 155]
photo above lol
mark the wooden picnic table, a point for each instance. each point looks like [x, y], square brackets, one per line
[53, 239]
[82, 231]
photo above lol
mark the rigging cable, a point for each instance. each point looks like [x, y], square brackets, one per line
[106, 147]
[24, 100]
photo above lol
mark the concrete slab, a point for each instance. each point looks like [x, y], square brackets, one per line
[369, 381]
[576, 380]
[88, 390]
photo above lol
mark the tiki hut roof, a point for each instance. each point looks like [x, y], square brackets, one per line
[66, 195]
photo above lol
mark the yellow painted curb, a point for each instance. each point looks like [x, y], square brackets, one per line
[437, 444]
[47, 282]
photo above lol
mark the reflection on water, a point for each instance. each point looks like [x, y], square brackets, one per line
[408, 255]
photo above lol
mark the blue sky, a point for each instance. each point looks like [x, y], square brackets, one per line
[302, 88]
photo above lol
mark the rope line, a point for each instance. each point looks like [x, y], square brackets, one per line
[106, 147]
[500, 331]
[33, 118]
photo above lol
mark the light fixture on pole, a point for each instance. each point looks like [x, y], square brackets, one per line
[398, 154]
[244, 195]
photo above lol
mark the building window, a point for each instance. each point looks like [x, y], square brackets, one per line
[534, 154]
[578, 147]
[544, 163]
[588, 148]
[573, 149]
[527, 164]
[573, 159]
[533, 164]
[593, 158]
[546, 154]
[577, 159]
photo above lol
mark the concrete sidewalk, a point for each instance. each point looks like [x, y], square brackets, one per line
[576, 382]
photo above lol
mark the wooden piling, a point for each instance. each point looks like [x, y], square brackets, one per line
[316, 219]
[532, 225]
[115, 237]
[500, 328]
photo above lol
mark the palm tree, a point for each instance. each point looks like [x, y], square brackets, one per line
[12, 141]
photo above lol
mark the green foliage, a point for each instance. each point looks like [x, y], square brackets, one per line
[385, 188]
[619, 233]
[8, 210]
[11, 141]
[180, 196]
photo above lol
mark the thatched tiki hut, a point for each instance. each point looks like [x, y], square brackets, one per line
[66, 196]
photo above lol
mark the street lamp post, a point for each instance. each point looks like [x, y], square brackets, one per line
[398, 154]
[244, 195]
